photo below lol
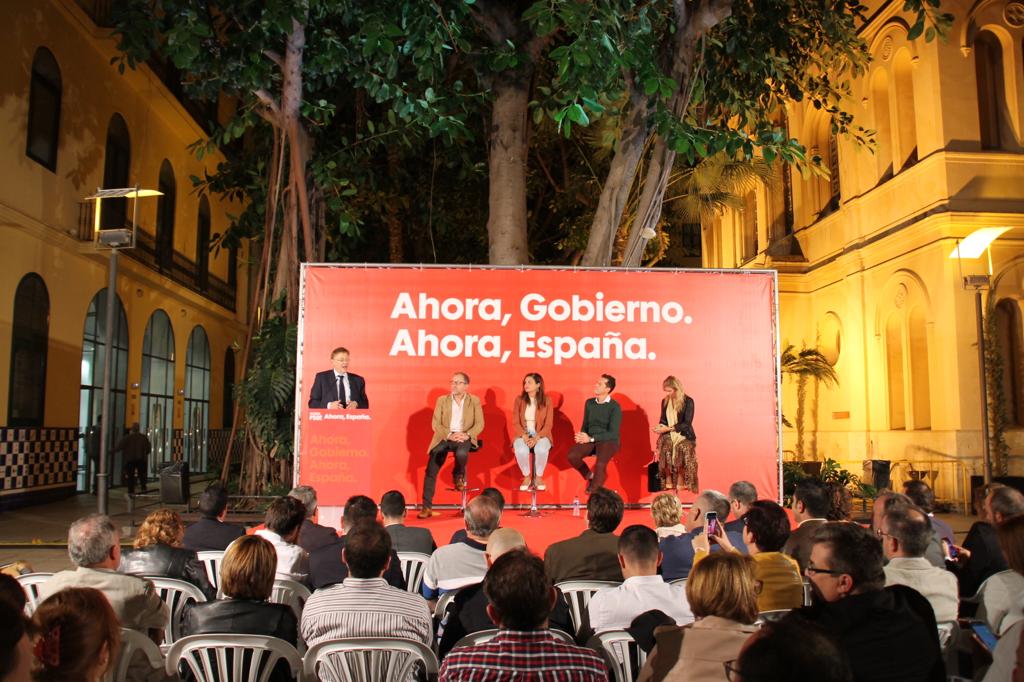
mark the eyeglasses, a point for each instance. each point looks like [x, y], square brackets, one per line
[732, 671]
[454, 382]
[880, 533]
[811, 570]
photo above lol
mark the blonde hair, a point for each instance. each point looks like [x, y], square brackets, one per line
[723, 584]
[666, 510]
[676, 402]
[162, 527]
[247, 571]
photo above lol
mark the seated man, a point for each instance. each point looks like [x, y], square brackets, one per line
[463, 563]
[325, 564]
[403, 538]
[678, 550]
[210, 533]
[888, 501]
[812, 502]
[594, 554]
[905, 534]
[499, 499]
[458, 421]
[521, 597]
[888, 633]
[741, 495]
[921, 494]
[614, 608]
[364, 605]
[981, 556]
[598, 435]
[312, 535]
[283, 521]
[94, 547]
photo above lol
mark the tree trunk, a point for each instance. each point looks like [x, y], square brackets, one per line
[506, 224]
[396, 246]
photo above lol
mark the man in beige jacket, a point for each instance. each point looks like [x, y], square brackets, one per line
[458, 421]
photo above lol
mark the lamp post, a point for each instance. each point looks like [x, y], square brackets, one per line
[973, 246]
[117, 238]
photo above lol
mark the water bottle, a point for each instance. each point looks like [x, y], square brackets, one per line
[576, 506]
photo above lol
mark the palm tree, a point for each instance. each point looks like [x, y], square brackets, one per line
[807, 363]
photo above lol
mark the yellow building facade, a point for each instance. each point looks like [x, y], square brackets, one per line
[71, 124]
[863, 256]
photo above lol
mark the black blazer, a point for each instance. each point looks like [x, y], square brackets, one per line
[313, 536]
[684, 419]
[211, 535]
[325, 390]
[326, 567]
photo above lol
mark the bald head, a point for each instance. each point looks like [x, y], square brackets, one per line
[481, 516]
[503, 540]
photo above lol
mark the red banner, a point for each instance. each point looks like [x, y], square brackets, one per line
[409, 329]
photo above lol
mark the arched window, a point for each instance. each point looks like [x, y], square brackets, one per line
[157, 394]
[116, 165]
[906, 354]
[883, 124]
[229, 388]
[165, 217]
[29, 339]
[44, 110]
[1008, 338]
[203, 244]
[993, 115]
[91, 389]
[197, 399]
[906, 115]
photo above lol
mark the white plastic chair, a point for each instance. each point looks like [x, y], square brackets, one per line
[211, 562]
[678, 581]
[133, 642]
[443, 602]
[30, 582]
[368, 659]
[484, 636]
[577, 595]
[997, 600]
[413, 565]
[621, 653]
[176, 594]
[234, 658]
[294, 595]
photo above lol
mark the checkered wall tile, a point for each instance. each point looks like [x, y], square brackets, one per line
[30, 458]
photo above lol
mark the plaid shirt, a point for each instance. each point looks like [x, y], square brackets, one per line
[523, 655]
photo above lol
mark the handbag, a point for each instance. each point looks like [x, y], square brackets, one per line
[653, 479]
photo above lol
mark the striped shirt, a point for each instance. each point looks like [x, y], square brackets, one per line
[365, 607]
[454, 566]
[523, 655]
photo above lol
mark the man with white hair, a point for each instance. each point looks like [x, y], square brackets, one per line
[312, 535]
[741, 495]
[677, 551]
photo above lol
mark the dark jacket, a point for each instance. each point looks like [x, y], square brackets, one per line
[677, 552]
[801, 540]
[325, 390]
[986, 558]
[168, 562]
[410, 539]
[589, 556]
[684, 419]
[313, 536]
[888, 634]
[211, 535]
[326, 567]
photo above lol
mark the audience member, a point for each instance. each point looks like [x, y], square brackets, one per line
[722, 592]
[312, 536]
[521, 597]
[678, 551]
[741, 495]
[921, 494]
[364, 605]
[905, 535]
[283, 521]
[887, 501]
[841, 502]
[325, 564]
[1006, 659]
[158, 552]
[210, 533]
[403, 538]
[592, 555]
[811, 504]
[980, 556]
[667, 513]
[16, 657]
[889, 633]
[499, 499]
[792, 649]
[463, 563]
[79, 636]
[614, 608]
[12, 592]
[94, 547]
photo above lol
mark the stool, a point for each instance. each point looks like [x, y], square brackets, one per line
[465, 493]
[534, 512]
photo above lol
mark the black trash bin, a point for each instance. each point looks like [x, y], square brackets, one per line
[174, 483]
[876, 473]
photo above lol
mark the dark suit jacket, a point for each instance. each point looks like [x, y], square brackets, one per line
[211, 535]
[799, 543]
[589, 556]
[677, 553]
[326, 568]
[409, 539]
[986, 558]
[684, 419]
[313, 536]
[325, 390]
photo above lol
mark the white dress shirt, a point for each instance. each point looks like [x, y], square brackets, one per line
[292, 560]
[456, 424]
[614, 608]
[937, 585]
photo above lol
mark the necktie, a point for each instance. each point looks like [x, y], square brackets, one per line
[342, 393]
[337, 378]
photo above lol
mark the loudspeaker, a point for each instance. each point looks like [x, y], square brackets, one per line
[174, 483]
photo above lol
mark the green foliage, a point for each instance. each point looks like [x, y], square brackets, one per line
[997, 411]
[805, 365]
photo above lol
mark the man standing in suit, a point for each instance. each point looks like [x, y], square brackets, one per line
[337, 388]
[458, 421]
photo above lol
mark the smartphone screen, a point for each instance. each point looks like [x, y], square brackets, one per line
[711, 523]
[950, 549]
[985, 635]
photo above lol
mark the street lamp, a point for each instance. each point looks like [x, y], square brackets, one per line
[122, 237]
[973, 246]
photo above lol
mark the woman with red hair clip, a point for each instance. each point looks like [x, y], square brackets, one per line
[79, 636]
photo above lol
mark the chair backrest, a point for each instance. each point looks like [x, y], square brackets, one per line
[773, 615]
[211, 562]
[678, 581]
[443, 602]
[368, 659]
[176, 594]
[577, 595]
[30, 582]
[482, 636]
[238, 658]
[290, 593]
[622, 654]
[134, 642]
[807, 592]
[413, 565]
[949, 642]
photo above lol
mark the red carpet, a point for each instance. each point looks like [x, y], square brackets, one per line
[540, 532]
